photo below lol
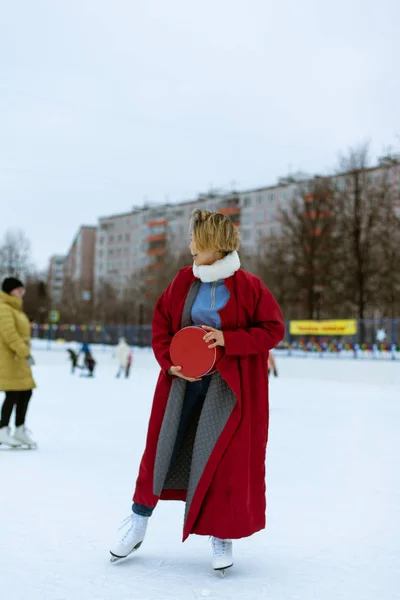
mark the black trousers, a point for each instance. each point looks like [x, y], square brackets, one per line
[18, 399]
[195, 395]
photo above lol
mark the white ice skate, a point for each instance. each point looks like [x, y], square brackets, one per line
[134, 529]
[22, 436]
[7, 439]
[222, 554]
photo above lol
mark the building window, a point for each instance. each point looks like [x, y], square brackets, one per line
[118, 252]
[246, 201]
[341, 184]
[110, 252]
[245, 235]
[127, 237]
[246, 219]
[259, 199]
[111, 239]
[260, 216]
[157, 230]
[120, 238]
[271, 197]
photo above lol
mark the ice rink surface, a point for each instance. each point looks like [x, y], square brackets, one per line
[333, 482]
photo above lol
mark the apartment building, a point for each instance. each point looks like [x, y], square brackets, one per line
[56, 279]
[79, 262]
[119, 249]
[124, 245]
[130, 243]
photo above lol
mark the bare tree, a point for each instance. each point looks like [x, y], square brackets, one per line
[360, 214]
[36, 300]
[74, 307]
[15, 254]
[271, 263]
[388, 250]
[297, 263]
[158, 275]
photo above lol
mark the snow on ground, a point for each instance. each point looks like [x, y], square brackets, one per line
[333, 491]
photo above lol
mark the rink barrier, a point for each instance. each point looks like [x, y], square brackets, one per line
[108, 335]
[362, 344]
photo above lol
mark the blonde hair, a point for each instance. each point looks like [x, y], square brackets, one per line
[213, 231]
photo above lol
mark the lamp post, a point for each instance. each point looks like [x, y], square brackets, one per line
[318, 289]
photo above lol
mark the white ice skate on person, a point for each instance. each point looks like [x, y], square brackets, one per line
[7, 439]
[222, 554]
[134, 529]
[22, 437]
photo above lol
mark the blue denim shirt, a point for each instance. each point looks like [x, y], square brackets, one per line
[210, 298]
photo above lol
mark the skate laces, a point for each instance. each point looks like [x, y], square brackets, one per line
[127, 520]
[134, 523]
[220, 547]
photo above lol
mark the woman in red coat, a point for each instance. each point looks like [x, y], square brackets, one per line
[207, 437]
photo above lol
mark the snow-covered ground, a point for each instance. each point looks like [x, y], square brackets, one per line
[333, 491]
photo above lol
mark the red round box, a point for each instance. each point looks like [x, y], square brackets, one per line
[189, 351]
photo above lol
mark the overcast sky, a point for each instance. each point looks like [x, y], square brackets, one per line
[106, 102]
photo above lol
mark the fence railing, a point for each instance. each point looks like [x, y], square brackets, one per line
[108, 335]
[373, 337]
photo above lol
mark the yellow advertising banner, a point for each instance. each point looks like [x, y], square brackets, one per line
[346, 327]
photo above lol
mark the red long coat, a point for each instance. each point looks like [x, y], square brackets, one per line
[229, 501]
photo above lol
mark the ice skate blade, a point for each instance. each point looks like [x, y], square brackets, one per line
[114, 558]
[222, 572]
[27, 447]
[4, 448]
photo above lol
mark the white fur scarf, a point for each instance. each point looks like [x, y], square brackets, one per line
[221, 269]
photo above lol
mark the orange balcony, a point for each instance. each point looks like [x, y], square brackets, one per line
[155, 267]
[314, 214]
[156, 252]
[317, 196]
[157, 223]
[230, 210]
[154, 238]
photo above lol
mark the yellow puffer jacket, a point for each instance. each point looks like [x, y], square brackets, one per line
[15, 339]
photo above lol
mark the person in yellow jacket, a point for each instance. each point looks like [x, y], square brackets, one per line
[15, 363]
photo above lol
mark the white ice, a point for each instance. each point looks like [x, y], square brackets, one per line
[333, 491]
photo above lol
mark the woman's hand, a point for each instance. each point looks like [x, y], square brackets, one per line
[175, 371]
[214, 335]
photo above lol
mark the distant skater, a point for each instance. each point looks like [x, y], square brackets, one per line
[15, 364]
[88, 361]
[124, 357]
[272, 365]
[73, 356]
[129, 364]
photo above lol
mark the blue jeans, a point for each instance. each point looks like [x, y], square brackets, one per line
[195, 395]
